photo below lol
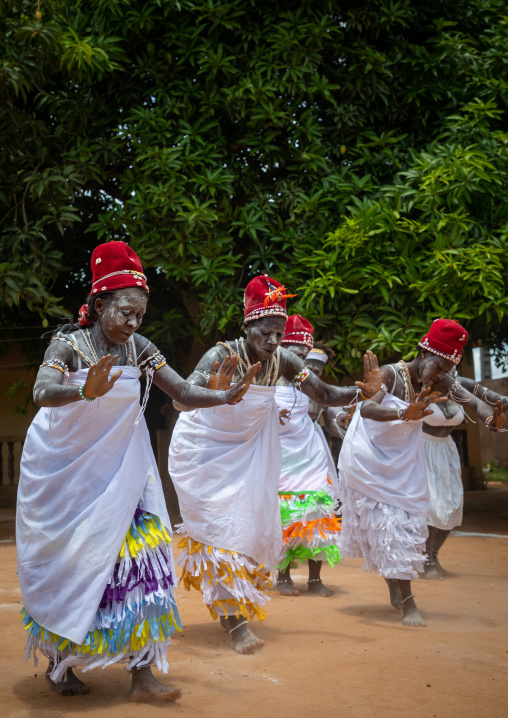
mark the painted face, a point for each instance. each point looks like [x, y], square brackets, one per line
[264, 336]
[315, 366]
[433, 368]
[300, 350]
[121, 314]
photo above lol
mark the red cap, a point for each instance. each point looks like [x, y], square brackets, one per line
[298, 331]
[116, 266]
[445, 338]
[265, 297]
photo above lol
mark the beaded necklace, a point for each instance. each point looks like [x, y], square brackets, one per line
[406, 378]
[272, 371]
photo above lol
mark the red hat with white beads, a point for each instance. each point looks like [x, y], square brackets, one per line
[445, 338]
[116, 266]
[298, 331]
[265, 297]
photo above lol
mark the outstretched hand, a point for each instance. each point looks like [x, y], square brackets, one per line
[499, 416]
[238, 391]
[98, 382]
[371, 383]
[222, 378]
[417, 408]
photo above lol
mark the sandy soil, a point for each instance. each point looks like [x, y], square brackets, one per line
[347, 656]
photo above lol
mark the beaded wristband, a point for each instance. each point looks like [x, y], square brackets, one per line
[455, 386]
[400, 415]
[80, 390]
[488, 421]
[384, 389]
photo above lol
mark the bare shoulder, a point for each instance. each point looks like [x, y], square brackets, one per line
[61, 350]
[144, 347]
[389, 376]
[290, 365]
[216, 353]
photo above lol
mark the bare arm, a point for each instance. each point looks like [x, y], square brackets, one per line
[493, 416]
[326, 394]
[49, 389]
[193, 394]
[482, 392]
[333, 420]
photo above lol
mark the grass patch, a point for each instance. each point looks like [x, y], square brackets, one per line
[495, 473]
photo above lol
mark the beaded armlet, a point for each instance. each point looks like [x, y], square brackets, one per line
[155, 362]
[55, 364]
[300, 378]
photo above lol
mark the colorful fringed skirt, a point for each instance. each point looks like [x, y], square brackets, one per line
[232, 584]
[389, 539]
[310, 528]
[137, 614]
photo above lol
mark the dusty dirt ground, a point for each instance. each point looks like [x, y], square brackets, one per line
[346, 656]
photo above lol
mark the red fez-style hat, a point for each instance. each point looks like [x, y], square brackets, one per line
[445, 338]
[265, 297]
[298, 331]
[116, 266]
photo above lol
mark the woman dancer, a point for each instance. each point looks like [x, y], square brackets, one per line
[383, 479]
[308, 480]
[446, 493]
[226, 465]
[444, 471]
[93, 534]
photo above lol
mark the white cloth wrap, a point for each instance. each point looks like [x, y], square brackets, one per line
[225, 465]
[445, 482]
[384, 493]
[306, 459]
[385, 460]
[85, 468]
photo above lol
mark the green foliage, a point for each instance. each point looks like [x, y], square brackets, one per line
[356, 151]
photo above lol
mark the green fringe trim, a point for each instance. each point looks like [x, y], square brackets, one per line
[312, 500]
[300, 554]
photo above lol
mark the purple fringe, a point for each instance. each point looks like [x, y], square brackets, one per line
[116, 592]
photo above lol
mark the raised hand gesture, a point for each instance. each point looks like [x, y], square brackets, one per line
[499, 419]
[222, 379]
[98, 382]
[371, 383]
[238, 391]
[417, 409]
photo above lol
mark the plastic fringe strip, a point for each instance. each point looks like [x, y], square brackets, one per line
[391, 540]
[135, 630]
[310, 528]
[294, 556]
[231, 583]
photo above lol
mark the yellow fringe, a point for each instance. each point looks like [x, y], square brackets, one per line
[232, 606]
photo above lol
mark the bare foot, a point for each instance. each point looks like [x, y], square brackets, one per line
[145, 687]
[441, 571]
[395, 594]
[70, 687]
[430, 572]
[412, 617]
[318, 588]
[286, 588]
[244, 641]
